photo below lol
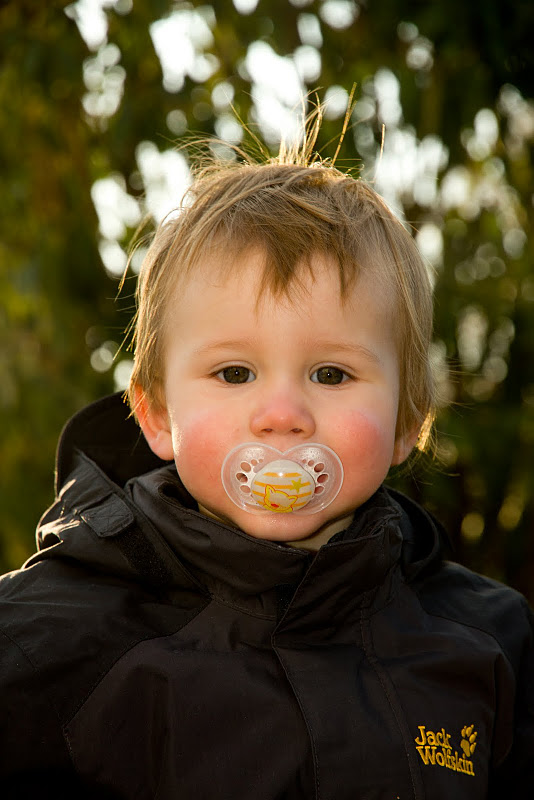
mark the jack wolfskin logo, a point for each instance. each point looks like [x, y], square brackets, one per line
[435, 749]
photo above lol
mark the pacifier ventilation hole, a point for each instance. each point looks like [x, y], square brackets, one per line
[246, 470]
[321, 477]
[260, 478]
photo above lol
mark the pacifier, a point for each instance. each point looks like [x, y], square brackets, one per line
[259, 478]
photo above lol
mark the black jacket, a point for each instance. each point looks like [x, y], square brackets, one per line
[149, 652]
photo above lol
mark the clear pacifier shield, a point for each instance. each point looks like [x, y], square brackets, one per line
[261, 479]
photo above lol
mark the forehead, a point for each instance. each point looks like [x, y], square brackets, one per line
[229, 290]
[229, 271]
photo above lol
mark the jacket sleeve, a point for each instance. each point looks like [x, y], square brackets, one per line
[34, 758]
[30, 733]
[515, 776]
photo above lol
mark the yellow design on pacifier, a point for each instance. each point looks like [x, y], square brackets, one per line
[259, 478]
[277, 500]
[282, 486]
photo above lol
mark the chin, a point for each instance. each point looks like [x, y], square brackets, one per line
[280, 527]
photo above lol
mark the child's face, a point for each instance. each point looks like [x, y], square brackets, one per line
[236, 372]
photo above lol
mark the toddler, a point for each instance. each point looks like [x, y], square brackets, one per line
[232, 605]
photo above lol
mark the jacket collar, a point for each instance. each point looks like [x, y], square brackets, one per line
[261, 577]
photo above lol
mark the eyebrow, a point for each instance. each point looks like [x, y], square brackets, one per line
[320, 346]
[350, 349]
[227, 344]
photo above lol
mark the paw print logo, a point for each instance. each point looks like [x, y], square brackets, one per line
[469, 740]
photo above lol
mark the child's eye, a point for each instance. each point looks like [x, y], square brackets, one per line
[236, 375]
[329, 375]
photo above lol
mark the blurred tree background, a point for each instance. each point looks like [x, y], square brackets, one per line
[97, 99]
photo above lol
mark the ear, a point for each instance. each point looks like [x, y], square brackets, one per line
[155, 426]
[404, 446]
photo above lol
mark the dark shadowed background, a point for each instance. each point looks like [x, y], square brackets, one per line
[96, 96]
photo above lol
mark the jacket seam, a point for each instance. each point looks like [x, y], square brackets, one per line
[49, 701]
[215, 599]
[384, 678]
[306, 722]
[469, 625]
[121, 655]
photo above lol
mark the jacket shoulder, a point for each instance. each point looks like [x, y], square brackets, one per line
[460, 595]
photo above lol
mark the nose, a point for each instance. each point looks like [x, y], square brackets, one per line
[282, 413]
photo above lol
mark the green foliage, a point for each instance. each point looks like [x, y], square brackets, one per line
[72, 115]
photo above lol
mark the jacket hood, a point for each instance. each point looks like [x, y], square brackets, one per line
[139, 521]
[108, 434]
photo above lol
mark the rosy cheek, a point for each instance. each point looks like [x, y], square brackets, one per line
[199, 447]
[365, 441]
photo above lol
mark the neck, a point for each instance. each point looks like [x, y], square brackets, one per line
[311, 543]
[323, 535]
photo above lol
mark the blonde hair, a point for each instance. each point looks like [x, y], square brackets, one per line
[291, 209]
